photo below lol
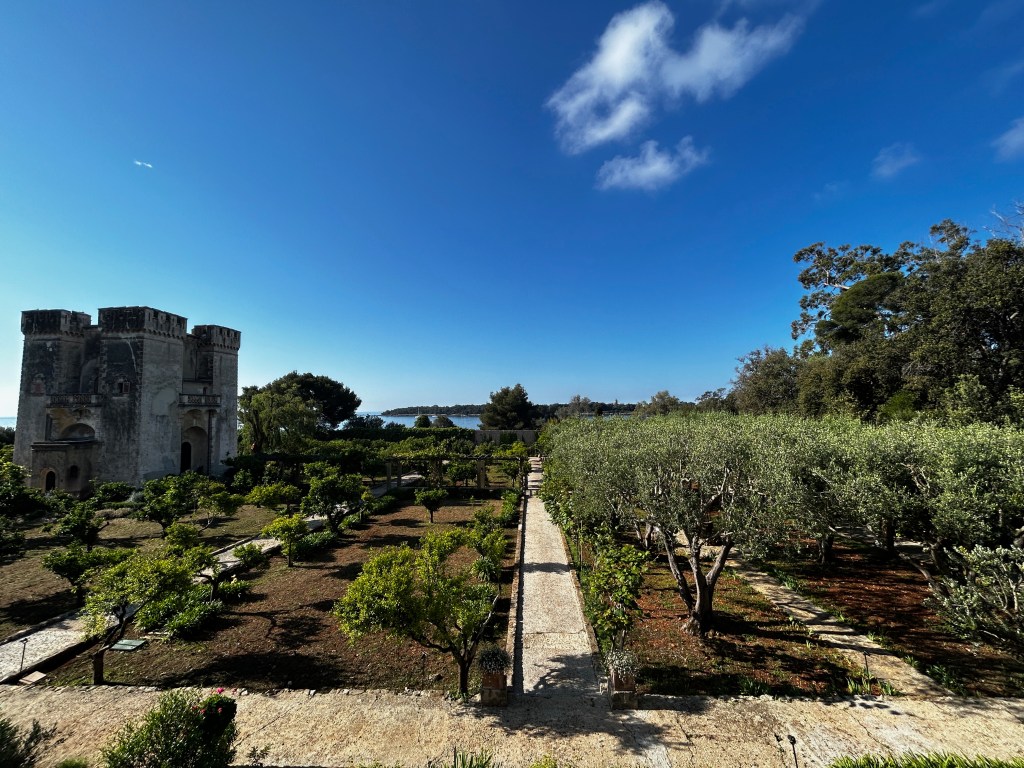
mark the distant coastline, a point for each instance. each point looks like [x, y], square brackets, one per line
[435, 410]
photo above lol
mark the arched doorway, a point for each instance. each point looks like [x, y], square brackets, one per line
[193, 450]
[49, 480]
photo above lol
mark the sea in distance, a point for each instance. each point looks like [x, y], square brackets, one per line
[466, 422]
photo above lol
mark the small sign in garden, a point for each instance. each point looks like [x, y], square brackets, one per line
[127, 645]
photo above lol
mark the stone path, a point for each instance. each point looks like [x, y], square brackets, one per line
[860, 650]
[359, 727]
[555, 648]
[31, 648]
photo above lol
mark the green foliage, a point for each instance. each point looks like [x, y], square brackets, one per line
[612, 591]
[12, 541]
[251, 556]
[140, 580]
[286, 413]
[312, 544]
[108, 495]
[494, 659]
[333, 496]
[81, 523]
[931, 760]
[181, 537]
[441, 421]
[181, 731]
[21, 750]
[661, 404]
[167, 499]
[431, 500]
[984, 599]
[274, 496]
[235, 590]
[288, 530]
[509, 408]
[491, 550]
[73, 762]
[76, 564]
[421, 595]
[422, 422]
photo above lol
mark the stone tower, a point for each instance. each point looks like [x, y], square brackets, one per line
[132, 398]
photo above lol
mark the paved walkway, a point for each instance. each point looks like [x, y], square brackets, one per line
[555, 650]
[360, 727]
[860, 650]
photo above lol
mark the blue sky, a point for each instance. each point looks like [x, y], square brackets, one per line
[430, 201]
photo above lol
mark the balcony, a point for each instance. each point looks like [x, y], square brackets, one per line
[199, 401]
[75, 401]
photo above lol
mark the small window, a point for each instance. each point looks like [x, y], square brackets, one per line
[73, 472]
[123, 387]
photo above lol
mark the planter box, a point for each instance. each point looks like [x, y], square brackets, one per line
[622, 691]
[494, 690]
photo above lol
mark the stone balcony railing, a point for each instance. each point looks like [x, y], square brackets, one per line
[65, 400]
[203, 401]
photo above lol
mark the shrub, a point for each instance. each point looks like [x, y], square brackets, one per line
[494, 660]
[73, 762]
[931, 760]
[312, 544]
[182, 731]
[180, 613]
[234, 591]
[19, 750]
[251, 556]
[107, 495]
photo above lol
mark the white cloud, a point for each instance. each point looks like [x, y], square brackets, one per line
[1010, 146]
[142, 164]
[653, 168]
[894, 159]
[635, 67]
[831, 191]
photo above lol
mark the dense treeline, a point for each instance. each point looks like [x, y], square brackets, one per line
[544, 410]
[934, 329]
[719, 482]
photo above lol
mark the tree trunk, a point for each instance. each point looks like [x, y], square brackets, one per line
[673, 565]
[97, 666]
[702, 615]
[825, 543]
[888, 535]
[463, 675]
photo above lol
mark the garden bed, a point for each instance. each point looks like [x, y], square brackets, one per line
[885, 597]
[754, 649]
[32, 594]
[284, 636]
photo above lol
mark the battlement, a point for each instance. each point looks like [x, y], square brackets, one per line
[49, 322]
[218, 336]
[142, 320]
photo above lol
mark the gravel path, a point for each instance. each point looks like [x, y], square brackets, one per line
[556, 653]
[346, 729]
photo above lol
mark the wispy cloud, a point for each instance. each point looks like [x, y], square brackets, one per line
[931, 8]
[1000, 78]
[997, 14]
[653, 168]
[142, 164]
[831, 191]
[1010, 146]
[893, 160]
[635, 68]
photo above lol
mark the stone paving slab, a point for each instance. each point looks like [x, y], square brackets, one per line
[343, 729]
[860, 650]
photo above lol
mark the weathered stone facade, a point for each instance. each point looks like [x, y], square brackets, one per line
[132, 398]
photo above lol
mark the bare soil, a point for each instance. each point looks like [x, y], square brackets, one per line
[284, 636]
[886, 597]
[30, 594]
[754, 648]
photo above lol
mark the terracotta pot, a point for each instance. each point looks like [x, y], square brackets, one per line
[494, 680]
[622, 682]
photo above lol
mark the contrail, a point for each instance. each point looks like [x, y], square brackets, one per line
[143, 165]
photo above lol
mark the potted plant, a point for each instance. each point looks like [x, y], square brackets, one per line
[494, 664]
[623, 666]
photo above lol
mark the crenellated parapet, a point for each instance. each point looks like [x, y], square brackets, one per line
[54, 322]
[142, 320]
[218, 336]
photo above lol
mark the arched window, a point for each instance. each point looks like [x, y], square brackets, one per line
[50, 481]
